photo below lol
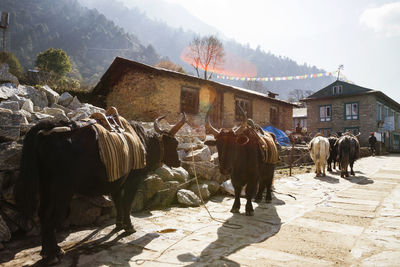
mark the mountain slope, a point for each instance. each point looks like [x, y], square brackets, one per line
[91, 40]
[170, 42]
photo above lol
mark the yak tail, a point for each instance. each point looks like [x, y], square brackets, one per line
[27, 185]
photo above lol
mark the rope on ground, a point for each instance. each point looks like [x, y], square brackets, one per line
[225, 223]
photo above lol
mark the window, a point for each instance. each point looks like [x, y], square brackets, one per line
[353, 130]
[337, 89]
[325, 113]
[386, 112]
[351, 111]
[325, 131]
[246, 106]
[274, 115]
[378, 111]
[189, 100]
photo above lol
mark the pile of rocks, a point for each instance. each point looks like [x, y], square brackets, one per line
[22, 106]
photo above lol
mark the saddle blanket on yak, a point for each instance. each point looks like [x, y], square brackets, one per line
[267, 146]
[120, 152]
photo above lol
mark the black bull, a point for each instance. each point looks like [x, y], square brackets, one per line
[348, 151]
[59, 164]
[240, 156]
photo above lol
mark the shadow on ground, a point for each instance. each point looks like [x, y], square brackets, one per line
[237, 232]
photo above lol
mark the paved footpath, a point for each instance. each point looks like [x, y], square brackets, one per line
[312, 222]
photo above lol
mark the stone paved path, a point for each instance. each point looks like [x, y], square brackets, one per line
[323, 222]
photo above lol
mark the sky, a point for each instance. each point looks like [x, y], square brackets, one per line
[363, 35]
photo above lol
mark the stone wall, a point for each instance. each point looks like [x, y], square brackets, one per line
[367, 115]
[139, 95]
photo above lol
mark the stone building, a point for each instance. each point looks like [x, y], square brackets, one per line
[143, 92]
[343, 106]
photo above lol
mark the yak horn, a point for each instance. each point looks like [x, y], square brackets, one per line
[244, 122]
[156, 126]
[179, 125]
[214, 131]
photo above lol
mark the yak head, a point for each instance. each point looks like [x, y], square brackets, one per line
[169, 143]
[227, 141]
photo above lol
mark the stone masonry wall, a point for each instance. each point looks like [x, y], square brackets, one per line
[143, 96]
[367, 115]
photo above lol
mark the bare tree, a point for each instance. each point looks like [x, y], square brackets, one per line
[296, 94]
[166, 64]
[255, 86]
[206, 53]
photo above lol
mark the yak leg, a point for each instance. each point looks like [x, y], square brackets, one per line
[117, 198]
[323, 169]
[270, 178]
[329, 165]
[131, 187]
[54, 207]
[236, 203]
[250, 191]
[351, 168]
[261, 187]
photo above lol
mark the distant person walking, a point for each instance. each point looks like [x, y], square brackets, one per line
[372, 143]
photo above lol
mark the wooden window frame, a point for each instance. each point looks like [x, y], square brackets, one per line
[189, 106]
[337, 89]
[326, 118]
[248, 110]
[352, 116]
[271, 118]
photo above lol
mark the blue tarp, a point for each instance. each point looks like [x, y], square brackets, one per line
[281, 137]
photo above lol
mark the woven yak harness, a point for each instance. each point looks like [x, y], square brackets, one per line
[120, 152]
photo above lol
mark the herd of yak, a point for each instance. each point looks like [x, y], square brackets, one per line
[60, 159]
[343, 150]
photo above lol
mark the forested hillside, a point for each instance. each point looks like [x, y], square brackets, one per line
[89, 38]
[170, 42]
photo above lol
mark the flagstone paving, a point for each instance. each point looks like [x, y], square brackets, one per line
[311, 222]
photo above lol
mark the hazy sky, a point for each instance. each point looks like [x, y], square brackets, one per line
[363, 35]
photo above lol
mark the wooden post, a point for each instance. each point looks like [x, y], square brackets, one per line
[291, 158]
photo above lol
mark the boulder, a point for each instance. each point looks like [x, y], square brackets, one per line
[41, 116]
[75, 104]
[204, 170]
[7, 90]
[52, 96]
[5, 76]
[204, 192]
[11, 105]
[66, 110]
[138, 202]
[152, 184]
[20, 99]
[10, 125]
[188, 198]
[57, 113]
[202, 154]
[26, 114]
[10, 155]
[101, 201]
[65, 99]
[28, 106]
[164, 197]
[165, 173]
[8, 194]
[214, 158]
[89, 109]
[77, 115]
[39, 98]
[213, 186]
[5, 234]
[82, 212]
[180, 174]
